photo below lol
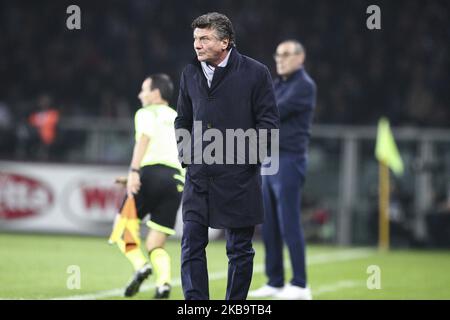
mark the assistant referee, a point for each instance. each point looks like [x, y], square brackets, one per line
[155, 180]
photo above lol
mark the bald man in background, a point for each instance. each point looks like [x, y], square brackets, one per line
[295, 93]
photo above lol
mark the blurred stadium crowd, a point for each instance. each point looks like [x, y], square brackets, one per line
[401, 71]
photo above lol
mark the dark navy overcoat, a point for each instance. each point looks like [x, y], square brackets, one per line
[241, 96]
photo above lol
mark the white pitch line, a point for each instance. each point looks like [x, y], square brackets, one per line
[345, 284]
[313, 260]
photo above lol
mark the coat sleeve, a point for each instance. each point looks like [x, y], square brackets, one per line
[184, 119]
[303, 99]
[184, 107]
[265, 109]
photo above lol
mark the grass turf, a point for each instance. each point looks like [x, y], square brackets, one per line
[36, 267]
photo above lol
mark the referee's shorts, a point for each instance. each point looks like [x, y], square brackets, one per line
[160, 196]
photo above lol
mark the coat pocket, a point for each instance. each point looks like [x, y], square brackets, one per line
[235, 194]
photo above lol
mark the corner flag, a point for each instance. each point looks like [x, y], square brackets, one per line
[388, 157]
[386, 150]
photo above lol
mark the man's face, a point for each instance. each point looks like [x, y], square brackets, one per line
[146, 95]
[208, 46]
[287, 59]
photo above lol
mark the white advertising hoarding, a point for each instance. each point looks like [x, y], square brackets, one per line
[79, 199]
[63, 198]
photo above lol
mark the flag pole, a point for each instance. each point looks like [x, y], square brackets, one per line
[383, 236]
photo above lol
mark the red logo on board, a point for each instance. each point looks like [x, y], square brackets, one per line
[22, 196]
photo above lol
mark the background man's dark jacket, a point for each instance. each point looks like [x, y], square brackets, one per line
[296, 98]
[241, 97]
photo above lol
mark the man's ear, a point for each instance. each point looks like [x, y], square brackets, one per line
[158, 94]
[225, 42]
[302, 58]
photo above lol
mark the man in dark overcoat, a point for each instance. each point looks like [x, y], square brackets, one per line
[222, 91]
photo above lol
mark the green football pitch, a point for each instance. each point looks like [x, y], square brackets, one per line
[44, 267]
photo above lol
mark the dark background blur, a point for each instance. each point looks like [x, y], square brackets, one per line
[92, 76]
[401, 71]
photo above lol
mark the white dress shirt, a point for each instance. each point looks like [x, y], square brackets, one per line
[208, 70]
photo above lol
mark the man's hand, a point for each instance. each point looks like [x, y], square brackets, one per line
[121, 180]
[133, 183]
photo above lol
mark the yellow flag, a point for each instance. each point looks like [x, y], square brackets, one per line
[386, 150]
[127, 221]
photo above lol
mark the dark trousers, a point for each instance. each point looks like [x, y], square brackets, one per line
[194, 273]
[282, 195]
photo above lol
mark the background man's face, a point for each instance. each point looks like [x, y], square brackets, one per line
[146, 95]
[287, 59]
[208, 46]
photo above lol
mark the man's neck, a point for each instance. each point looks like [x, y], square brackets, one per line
[219, 60]
[287, 76]
[158, 102]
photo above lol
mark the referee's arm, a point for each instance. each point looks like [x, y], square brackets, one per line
[134, 181]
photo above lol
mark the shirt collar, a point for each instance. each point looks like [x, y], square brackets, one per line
[293, 75]
[208, 70]
[222, 64]
[225, 61]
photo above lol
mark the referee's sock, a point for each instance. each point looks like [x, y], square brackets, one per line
[131, 246]
[136, 257]
[160, 261]
[133, 253]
